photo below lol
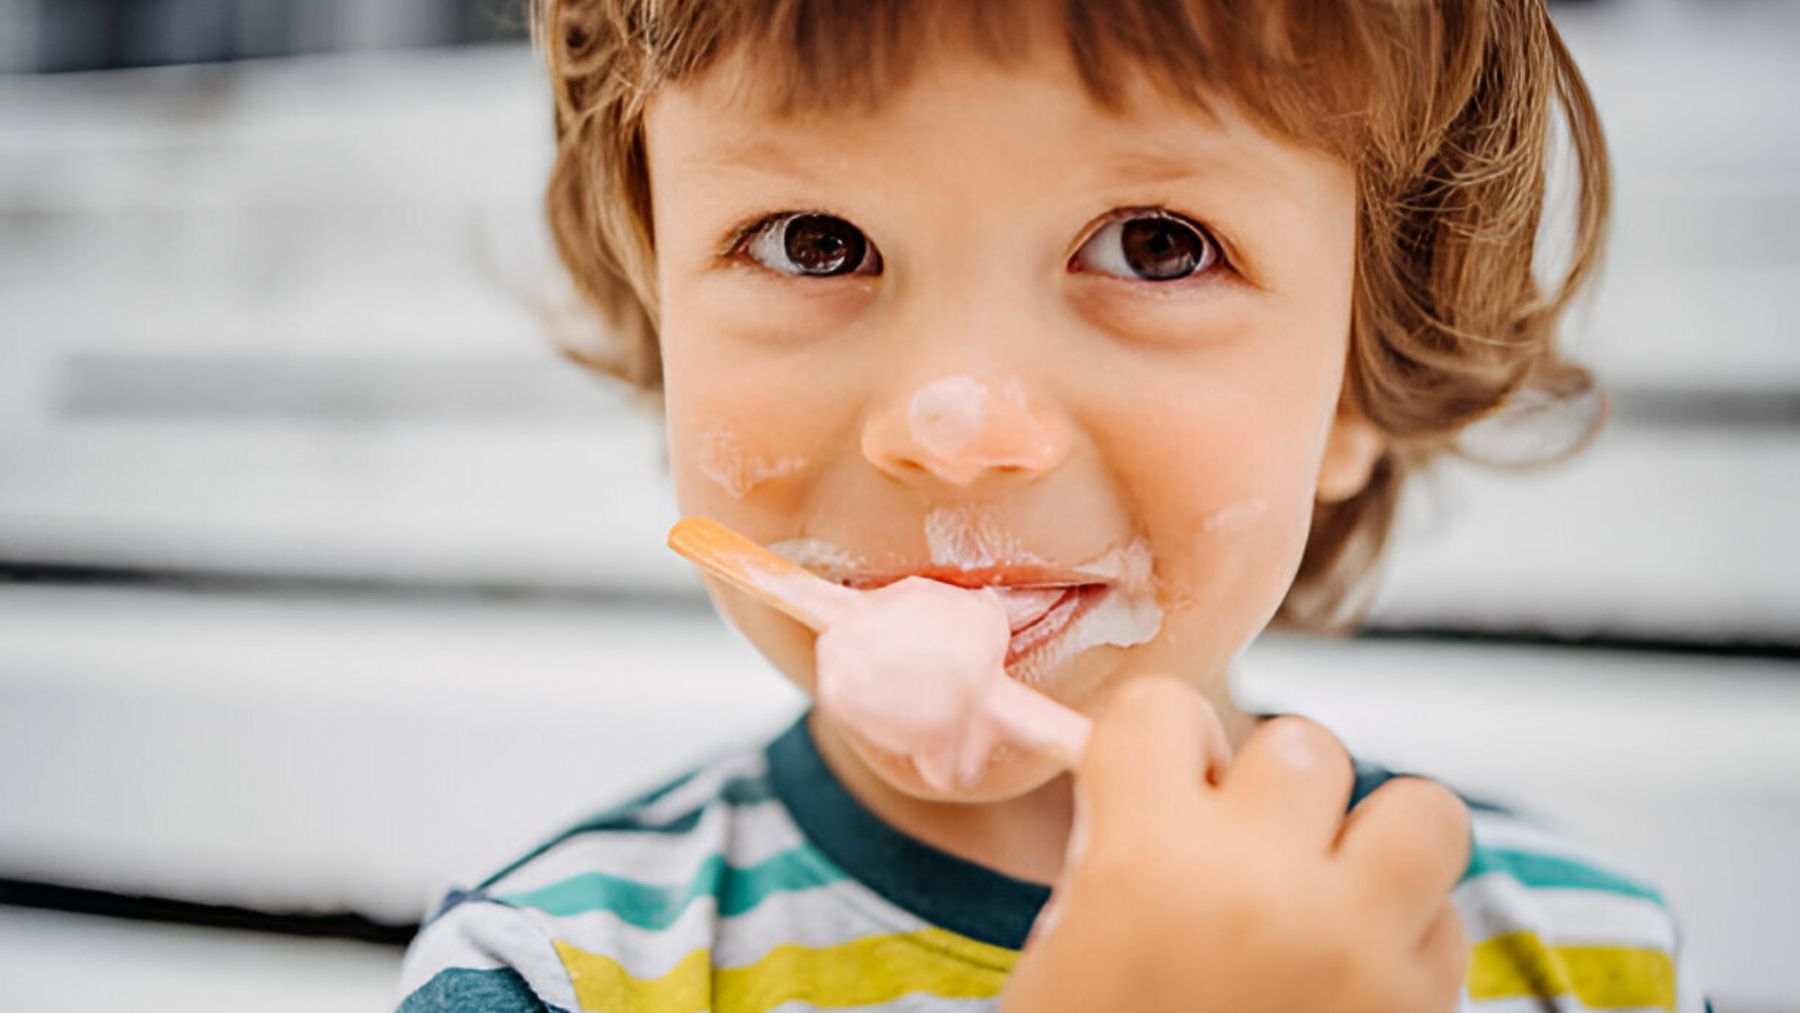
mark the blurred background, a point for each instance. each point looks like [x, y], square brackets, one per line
[314, 556]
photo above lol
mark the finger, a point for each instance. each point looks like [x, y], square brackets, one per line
[1154, 743]
[1443, 959]
[1408, 842]
[1293, 774]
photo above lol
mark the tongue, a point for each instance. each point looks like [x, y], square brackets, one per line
[1025, 605]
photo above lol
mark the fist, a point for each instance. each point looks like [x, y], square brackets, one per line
[1200, 882]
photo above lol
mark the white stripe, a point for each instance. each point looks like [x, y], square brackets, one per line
[696, 791]
[1494, 830]
[827, 916]
[745, 834]
[1496, 904]
[822, 916]
[1595, 918]
[482, 935]
[1690, 996]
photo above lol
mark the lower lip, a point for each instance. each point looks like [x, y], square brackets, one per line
[1072, 606]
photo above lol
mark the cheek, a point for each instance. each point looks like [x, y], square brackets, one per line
[1238, 535]
[738, 462]
[743, 437]
[1223, 481]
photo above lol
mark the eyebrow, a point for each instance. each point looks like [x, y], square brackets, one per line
[1219, 167]
[1157, 166]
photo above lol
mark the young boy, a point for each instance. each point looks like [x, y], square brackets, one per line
[1139, 312]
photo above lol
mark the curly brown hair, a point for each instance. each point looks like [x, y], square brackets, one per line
[1447, 109]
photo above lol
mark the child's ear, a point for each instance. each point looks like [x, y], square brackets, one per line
[1351, 450]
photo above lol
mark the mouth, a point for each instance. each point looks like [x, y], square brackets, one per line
[1049, 613]
[1040, 603]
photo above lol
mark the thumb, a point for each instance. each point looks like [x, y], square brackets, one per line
[1155, 742]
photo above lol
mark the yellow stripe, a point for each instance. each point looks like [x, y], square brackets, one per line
[602, 984]
[874, 969]
[1519, 964]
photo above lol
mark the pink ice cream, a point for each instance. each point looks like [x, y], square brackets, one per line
[918, 668]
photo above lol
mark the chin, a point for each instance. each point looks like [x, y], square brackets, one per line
[1011, 773]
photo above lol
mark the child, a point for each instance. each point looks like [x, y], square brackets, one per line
[1140, 312]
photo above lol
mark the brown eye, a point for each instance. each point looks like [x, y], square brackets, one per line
[1153, 246]
[811, 245]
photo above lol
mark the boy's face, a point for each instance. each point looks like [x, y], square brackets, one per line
[995, 334]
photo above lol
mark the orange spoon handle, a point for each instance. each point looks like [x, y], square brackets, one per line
[749, 567]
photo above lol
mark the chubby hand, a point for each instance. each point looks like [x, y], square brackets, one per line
[1206, 884]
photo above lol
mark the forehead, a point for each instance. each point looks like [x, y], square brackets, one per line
[965, 107]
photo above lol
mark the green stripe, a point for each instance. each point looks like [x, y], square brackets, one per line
[1548, 872]
[656, 906]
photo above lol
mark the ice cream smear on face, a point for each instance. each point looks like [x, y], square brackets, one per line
[946, 415]
[963, 427]
[724, 459]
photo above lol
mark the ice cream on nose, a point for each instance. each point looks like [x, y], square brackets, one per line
[963, 427]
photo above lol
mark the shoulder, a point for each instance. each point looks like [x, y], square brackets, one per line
[1546, 914]
[630, 892]
[1549, 917]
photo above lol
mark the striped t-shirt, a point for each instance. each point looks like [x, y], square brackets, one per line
[759, 884]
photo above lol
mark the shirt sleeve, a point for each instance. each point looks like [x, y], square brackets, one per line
[1690, 996]
[480, 955]
[1548, 919]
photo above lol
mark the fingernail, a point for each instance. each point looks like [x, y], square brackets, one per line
[1294, 744]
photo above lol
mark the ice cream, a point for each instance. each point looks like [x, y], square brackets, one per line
[918, 668]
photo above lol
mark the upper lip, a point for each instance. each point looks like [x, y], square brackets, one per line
[987, 576]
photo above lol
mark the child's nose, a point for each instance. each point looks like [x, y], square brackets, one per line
[959, 429]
